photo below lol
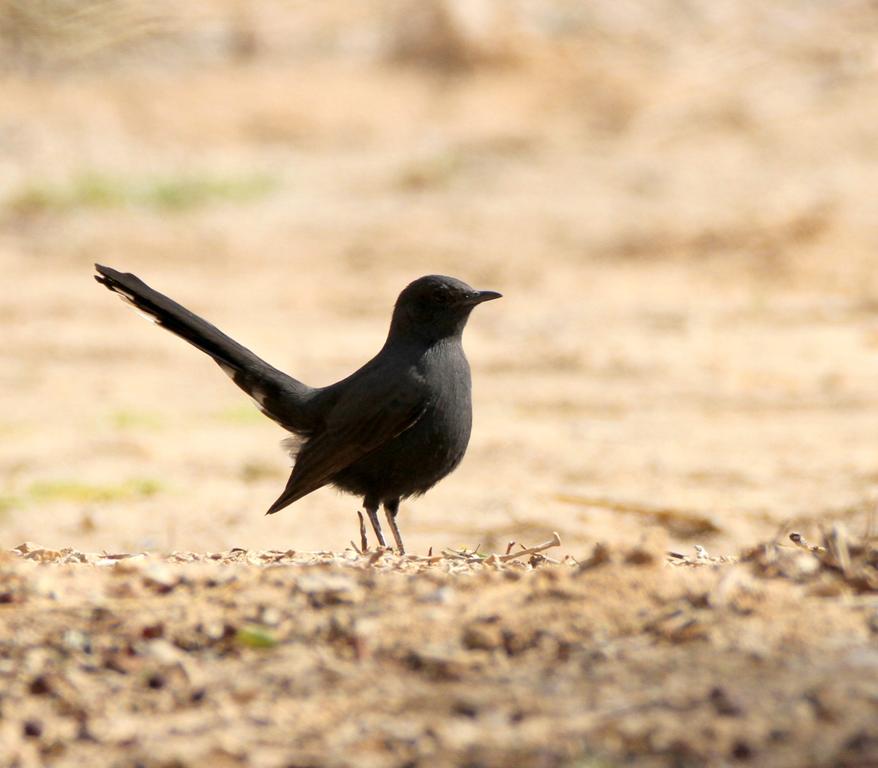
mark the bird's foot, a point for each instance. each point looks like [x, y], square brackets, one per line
[363, 549]
[382, 547]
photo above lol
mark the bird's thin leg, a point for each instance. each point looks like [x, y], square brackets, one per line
[372, 511]
[390, 510]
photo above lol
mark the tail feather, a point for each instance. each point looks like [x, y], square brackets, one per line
[278, 395]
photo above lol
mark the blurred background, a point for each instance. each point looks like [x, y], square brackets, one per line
[677, 199]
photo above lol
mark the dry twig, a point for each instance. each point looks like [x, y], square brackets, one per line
[363, 542]
[555, 541]
[801, 542]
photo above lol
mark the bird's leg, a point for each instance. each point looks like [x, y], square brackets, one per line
[372, 510]
[390, 510]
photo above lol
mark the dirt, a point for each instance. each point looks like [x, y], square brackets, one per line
[281, 658]
[677, 202]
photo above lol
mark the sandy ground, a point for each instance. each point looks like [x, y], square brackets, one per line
[280, 659]
[677, 203]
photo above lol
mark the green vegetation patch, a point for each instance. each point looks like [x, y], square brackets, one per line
[72, 490]
[126, 419]
[240, 414]
[253, 636]
[173, 194]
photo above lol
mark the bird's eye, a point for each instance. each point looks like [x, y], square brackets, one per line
[441, 297]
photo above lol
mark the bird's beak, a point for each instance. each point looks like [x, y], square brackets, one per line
[480, 296]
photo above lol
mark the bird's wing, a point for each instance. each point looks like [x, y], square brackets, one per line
[354, 429]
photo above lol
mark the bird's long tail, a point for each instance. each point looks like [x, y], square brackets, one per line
[278, 395]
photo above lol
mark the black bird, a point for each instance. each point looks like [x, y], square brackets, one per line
[391, 430]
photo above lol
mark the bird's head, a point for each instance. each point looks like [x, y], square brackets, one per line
[435, 307]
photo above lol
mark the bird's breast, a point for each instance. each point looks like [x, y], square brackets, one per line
[448, 416]
[418, 457]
